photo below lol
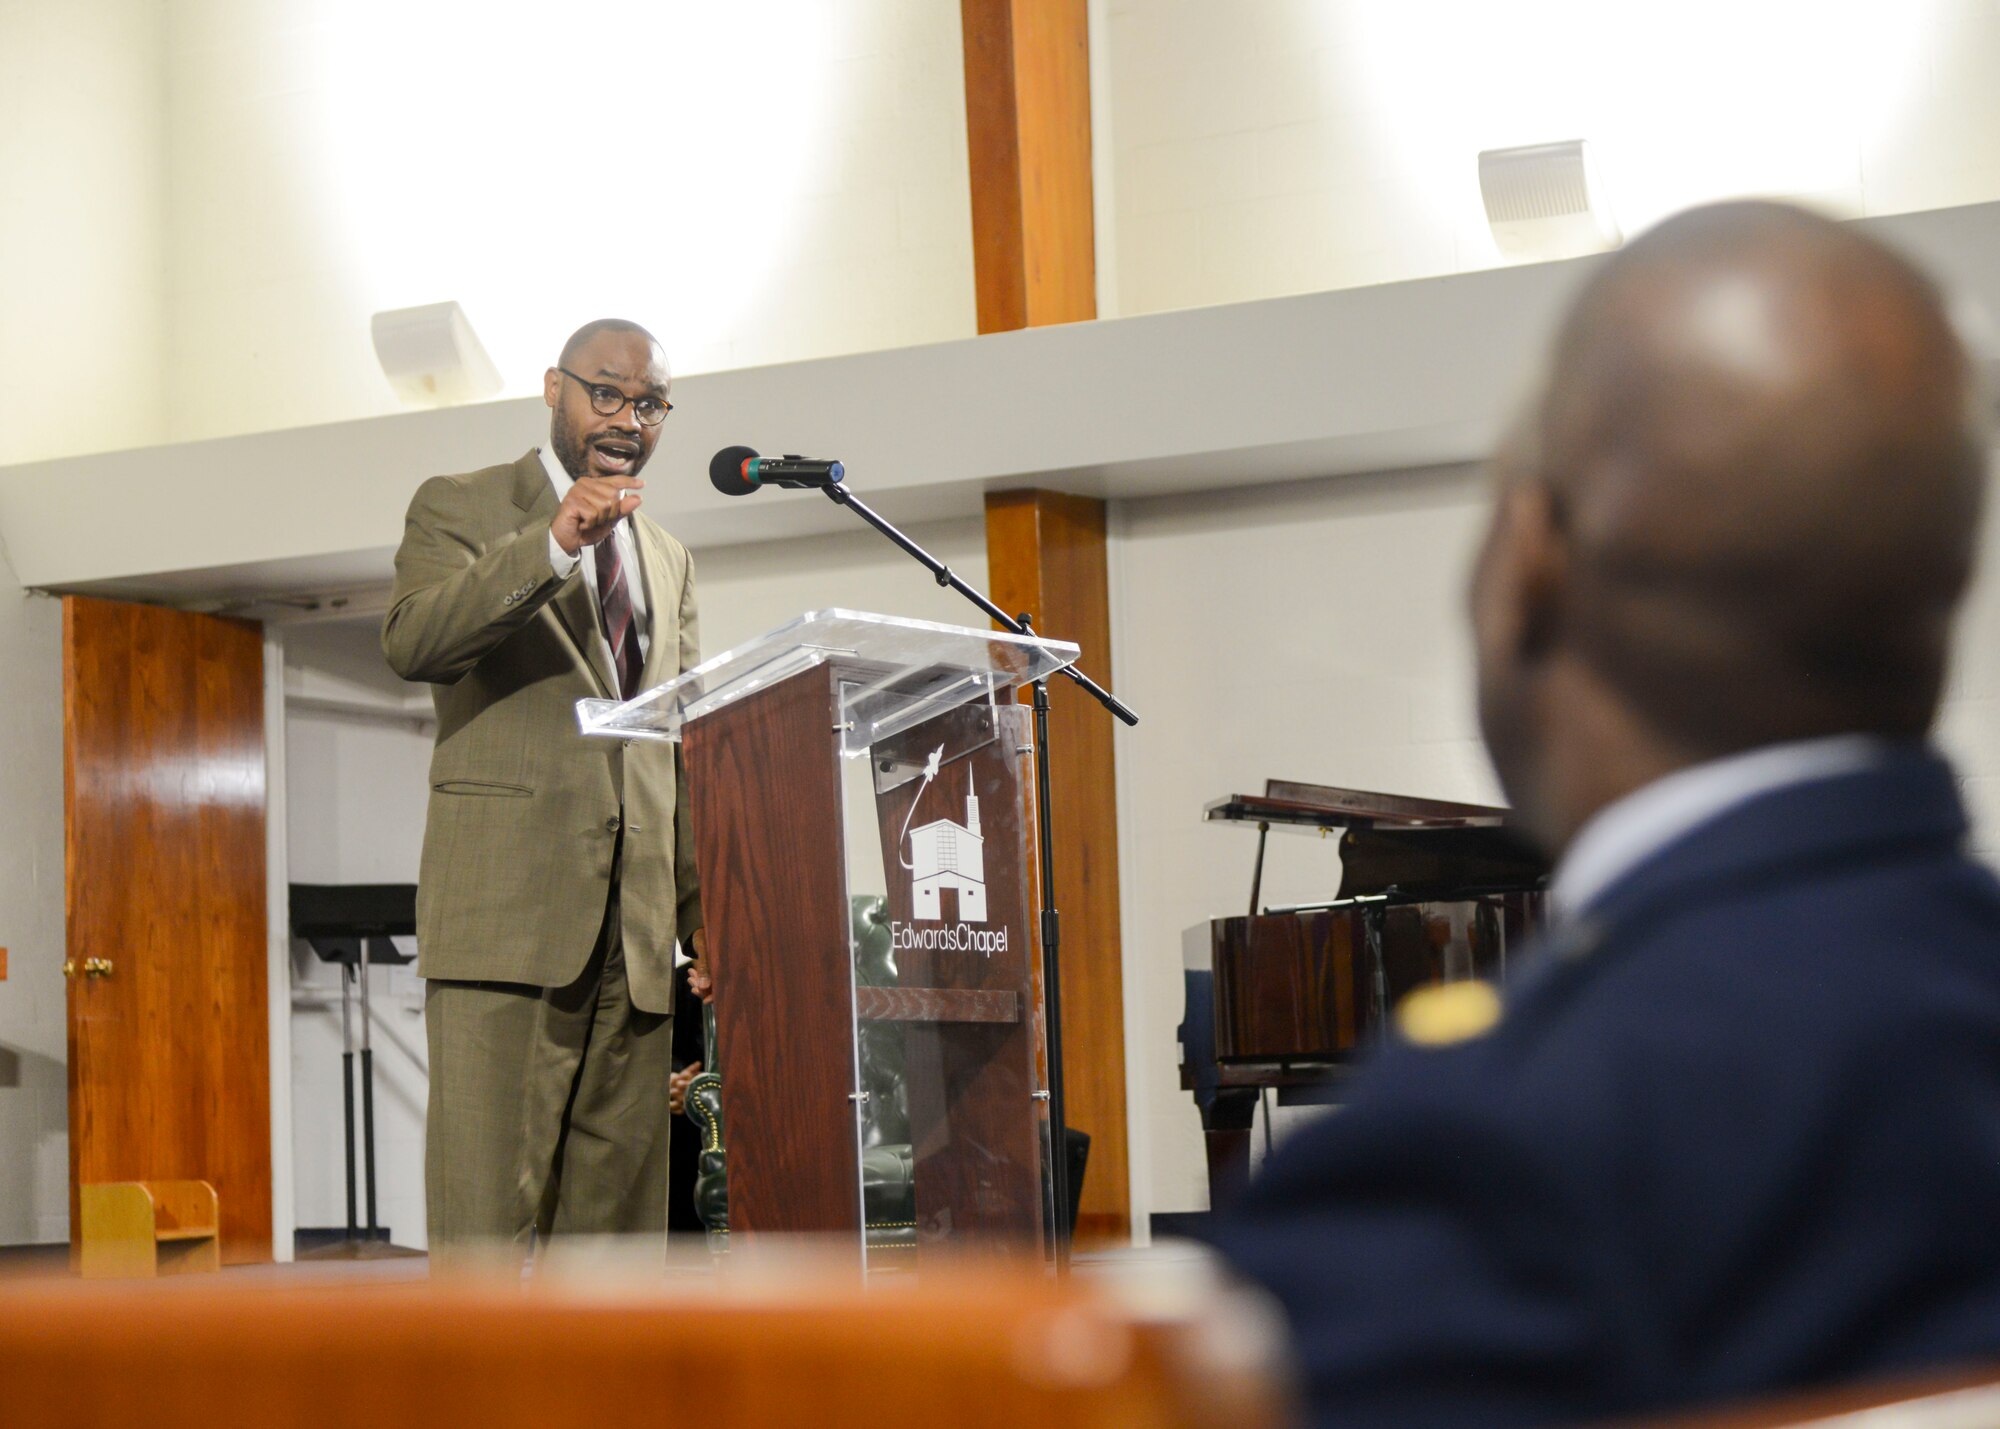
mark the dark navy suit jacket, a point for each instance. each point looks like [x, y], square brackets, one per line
[1737, 1130]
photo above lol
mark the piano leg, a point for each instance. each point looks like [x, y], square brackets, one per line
[1225, 1128]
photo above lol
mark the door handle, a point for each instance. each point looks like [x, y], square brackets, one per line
[97, 967]
[69, 967]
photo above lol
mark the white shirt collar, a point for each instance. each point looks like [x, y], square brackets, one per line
[1622, 835]
[560, 479]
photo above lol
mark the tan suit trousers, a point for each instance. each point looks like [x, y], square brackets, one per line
[548, 1108]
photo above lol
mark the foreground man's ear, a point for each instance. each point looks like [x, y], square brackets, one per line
[1519, 583]
[1539, 549]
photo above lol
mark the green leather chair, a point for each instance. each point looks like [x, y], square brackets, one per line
[888, 1181]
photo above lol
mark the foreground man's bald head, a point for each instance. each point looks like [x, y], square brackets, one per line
[1731, 1125]
[1741, 512]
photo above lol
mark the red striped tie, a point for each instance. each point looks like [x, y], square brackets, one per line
[615, 601]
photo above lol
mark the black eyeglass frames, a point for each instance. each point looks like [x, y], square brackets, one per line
[609, 401]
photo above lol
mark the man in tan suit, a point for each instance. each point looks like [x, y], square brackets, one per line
[558, 871]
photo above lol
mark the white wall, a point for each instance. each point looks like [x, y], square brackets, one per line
[756, 182]
[229, 188]
[82, 204]
[232, 187]
[1279, 146]
[203, 201]
[34, 1093]
[746, 590]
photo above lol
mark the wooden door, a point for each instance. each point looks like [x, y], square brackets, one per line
[164, 797]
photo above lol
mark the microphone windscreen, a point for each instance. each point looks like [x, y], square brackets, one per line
[725, 471]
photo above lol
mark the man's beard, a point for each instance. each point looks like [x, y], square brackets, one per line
[575, 455]
[569, 451]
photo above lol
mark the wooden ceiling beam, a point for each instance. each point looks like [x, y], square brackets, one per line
[1027, 110]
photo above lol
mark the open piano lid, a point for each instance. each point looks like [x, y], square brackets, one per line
[1321, 806]
[1397, 847]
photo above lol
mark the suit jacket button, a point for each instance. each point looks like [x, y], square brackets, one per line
[611, 824]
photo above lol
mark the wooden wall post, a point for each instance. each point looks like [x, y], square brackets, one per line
[1045, 555]
[1027, 111]
[1027, 108]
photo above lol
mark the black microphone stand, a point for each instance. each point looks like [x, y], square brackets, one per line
[1046, 850]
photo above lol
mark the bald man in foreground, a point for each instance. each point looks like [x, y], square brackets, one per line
[1735, 1127]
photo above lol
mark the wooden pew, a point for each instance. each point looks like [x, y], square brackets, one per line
[966, 1349]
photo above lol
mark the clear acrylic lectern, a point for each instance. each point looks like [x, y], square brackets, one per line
[862, 799]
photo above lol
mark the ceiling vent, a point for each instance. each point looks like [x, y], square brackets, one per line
[432, 357]
[1546, 201]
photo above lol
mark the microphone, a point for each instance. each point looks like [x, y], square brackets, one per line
[738, 471]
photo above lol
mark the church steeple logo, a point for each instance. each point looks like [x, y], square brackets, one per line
[946, 854]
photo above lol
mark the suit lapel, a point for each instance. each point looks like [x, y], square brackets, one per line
[576, 607]
[575, 604]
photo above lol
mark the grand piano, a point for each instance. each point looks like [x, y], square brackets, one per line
[1280, 1000]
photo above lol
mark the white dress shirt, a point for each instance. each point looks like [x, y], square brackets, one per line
[628, 555]
[1622, 835]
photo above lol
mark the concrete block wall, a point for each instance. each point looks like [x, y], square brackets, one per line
[205, 200]
[1277, 146]
[331, 160]
[82, 222]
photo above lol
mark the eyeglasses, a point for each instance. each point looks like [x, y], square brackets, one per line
[609, 401]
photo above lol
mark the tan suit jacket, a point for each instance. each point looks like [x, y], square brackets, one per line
[525, 812]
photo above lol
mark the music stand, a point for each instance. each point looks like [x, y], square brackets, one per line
[351, 925]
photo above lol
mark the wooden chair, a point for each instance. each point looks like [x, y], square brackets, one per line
[142, 1229]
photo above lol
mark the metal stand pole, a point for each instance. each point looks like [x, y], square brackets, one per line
[367, 1093]
[1052, 983]
[347, 1086]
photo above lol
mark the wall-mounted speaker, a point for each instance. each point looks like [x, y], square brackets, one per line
[432, 357]
[1546, 201]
